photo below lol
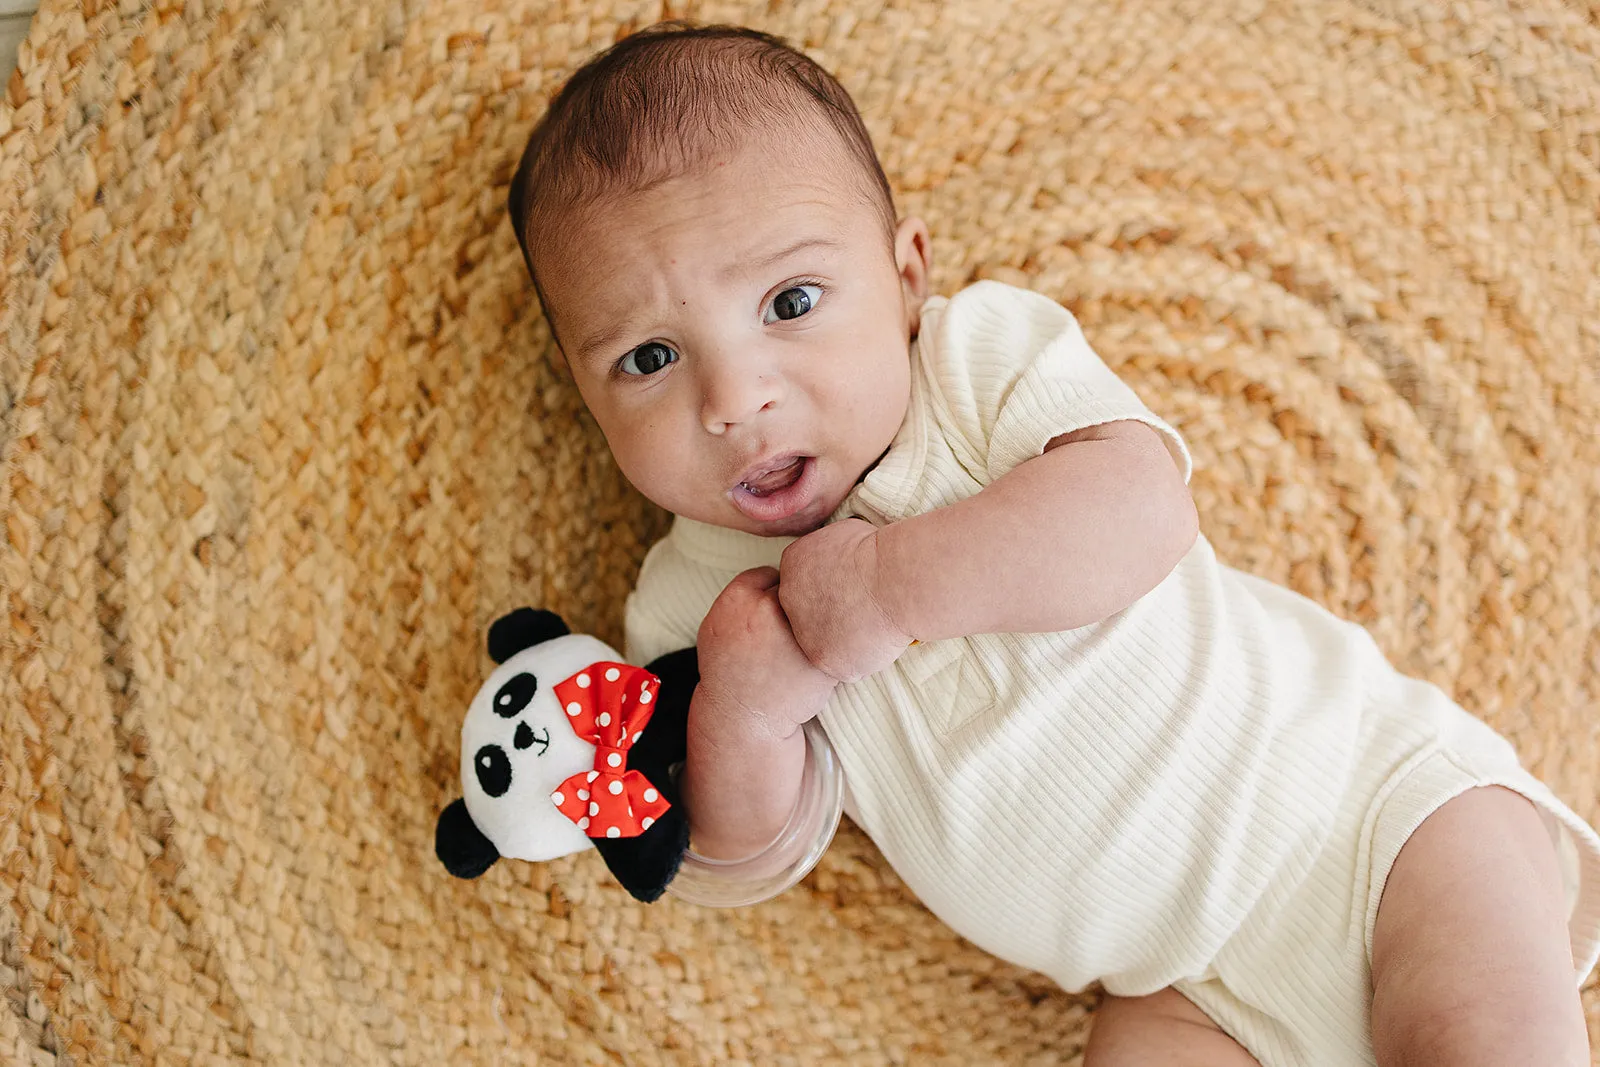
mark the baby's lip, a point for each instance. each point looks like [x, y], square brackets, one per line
[766, 466]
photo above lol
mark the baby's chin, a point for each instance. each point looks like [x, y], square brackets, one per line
[731, 519]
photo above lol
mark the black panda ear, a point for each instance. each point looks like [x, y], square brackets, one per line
[460, 845]
[522, 629]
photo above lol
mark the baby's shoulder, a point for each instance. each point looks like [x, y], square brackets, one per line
[976, 344]
[990, 317]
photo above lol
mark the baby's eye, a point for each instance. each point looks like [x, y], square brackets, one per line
[649, 358]
[794, 302]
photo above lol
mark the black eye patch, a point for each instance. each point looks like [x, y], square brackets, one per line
[514, 695]
[493, 768]
[526, 737]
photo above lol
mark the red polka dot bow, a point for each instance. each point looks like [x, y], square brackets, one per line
[609, 704]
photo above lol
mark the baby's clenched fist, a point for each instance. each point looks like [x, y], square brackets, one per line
[750, 665]
[830, 594]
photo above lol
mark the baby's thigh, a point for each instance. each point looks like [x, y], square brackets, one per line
[1162, 1028]
[1471, 957]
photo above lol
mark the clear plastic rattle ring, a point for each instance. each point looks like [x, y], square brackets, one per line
[790, 856]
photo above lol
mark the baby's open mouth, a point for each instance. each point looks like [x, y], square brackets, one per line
[777, 489]
[775, 478]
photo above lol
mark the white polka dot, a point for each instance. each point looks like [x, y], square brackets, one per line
[650, 796]
[622, 735]
[574, 707]
[594, 809]
[604, 719]
[583, 681]
[646, 823]
[613, 832]
[614, 759]
[583, 823]
[583, 794]
[612, 674]
[592, 776]
[616, 787]
[644, 697]
[558, 798]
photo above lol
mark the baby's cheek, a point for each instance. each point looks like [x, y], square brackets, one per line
[661, 473]
[875, 394]
[644, 471]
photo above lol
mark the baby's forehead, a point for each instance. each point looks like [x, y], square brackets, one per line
[740, 209]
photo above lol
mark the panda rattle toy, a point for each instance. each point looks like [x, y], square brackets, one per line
[566, 747]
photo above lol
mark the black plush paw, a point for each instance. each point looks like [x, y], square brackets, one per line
[646, 864]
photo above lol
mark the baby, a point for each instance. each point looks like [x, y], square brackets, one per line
[1082, 741]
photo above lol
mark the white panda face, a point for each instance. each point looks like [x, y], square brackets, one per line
[517, 747]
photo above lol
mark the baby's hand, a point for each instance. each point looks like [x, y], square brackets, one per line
[830, 592]
[746, 754]
[750, 666]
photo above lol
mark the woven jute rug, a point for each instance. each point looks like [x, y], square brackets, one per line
[280, 438]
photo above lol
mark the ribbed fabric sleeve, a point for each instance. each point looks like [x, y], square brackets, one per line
[1012, 370]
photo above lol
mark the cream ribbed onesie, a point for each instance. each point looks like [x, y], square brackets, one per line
[1206, 789]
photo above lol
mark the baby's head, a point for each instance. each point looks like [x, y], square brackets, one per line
[715, 248]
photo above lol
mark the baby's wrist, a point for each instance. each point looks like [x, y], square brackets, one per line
[789, 856]
[740, 778]
[736, 724]
[896, 582]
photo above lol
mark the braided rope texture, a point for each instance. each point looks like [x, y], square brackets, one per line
[279, 437]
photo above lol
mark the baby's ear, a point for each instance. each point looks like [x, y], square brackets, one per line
[913, 258]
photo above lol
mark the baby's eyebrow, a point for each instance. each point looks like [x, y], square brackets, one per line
[752, 266]
[601, 343]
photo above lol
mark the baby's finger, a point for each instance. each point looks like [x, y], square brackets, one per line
[757, 579]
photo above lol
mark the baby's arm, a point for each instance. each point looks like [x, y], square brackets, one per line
[746, 752]
[1062, 540]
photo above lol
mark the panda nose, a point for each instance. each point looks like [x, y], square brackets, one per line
[526, 737]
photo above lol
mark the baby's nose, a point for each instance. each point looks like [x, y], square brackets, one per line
[733, 396]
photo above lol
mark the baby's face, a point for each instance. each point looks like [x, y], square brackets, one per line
[741, 335]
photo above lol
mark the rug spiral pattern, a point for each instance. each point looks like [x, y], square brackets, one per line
[279, 437]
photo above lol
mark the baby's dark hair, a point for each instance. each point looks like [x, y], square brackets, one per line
[656, 103]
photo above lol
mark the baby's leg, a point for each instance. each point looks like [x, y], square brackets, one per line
[1471, 959]
[1161, 1030]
